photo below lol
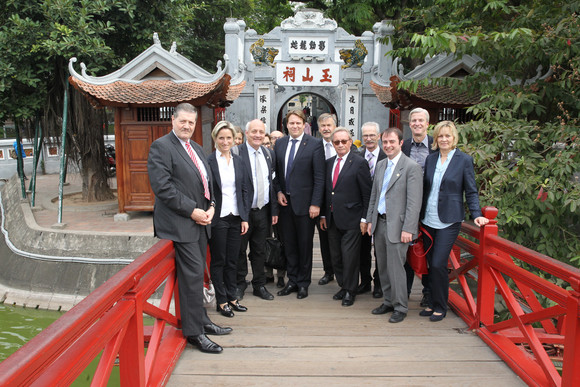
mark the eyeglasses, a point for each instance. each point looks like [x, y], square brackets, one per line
[343, 142]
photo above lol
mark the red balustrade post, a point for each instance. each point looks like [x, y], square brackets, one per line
[485, 284]
[571, 366]
[132, 352]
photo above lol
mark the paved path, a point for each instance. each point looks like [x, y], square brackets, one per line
[316, 341]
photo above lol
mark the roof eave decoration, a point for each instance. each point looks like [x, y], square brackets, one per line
[137, 83]
[430, 96]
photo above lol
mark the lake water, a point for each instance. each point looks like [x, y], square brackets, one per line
[18, 325]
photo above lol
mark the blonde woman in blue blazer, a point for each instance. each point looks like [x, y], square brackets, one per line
[449, 175]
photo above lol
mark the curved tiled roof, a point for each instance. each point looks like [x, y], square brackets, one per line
[446, 95]
[383, 93]
[431, 95]
[146, 92]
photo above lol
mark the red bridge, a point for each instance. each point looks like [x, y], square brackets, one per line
[539, 339]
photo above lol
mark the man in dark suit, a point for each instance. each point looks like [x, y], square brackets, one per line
[418, 147]
[393, 218]
[326, 126]
[348, 186]
[181, 181]
[259, 165]
[372, 154]
[300, 186]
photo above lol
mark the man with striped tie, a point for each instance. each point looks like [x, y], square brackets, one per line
[180, 178]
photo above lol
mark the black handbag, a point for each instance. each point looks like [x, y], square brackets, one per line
[275, 257]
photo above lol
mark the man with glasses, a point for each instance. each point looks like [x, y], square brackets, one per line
[347, 186]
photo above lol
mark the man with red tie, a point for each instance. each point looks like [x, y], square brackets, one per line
[180, 178]
[348, 188]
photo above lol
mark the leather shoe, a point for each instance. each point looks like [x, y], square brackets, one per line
[339, 295]
[225, 310]
[263, 293]
[325, 279]
[426, 312]
[204, 344]
[425, 300]
[237, 306]
[213, 329]
[290, 287]
[280, 284]
[397, 317]
[302, 293]
[363, 288]
[437, 317]
[348, 299]
[378, 292]
[382, 309]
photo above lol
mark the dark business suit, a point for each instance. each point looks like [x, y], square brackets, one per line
[403, 197]
[304, 188]
[178, 189]
[459, 179]
[226, 231]
[260, 221]
[367, 243]
[406, 149]
[345, 205]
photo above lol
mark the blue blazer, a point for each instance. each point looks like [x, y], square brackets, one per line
[306, 186]
[459, 179]
[241, 186]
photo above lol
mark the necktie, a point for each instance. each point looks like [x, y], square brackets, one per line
[336, 171]
[203, 179]
[259, 181]
[327, 151]
[290, 159]
[371, 163]
[382, 208]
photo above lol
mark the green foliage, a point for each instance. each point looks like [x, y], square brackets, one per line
[525, 142]
[529, 172]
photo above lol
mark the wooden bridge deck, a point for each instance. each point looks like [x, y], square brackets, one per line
[315, 341]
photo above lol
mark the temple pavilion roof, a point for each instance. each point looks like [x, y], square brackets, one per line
[158, 77]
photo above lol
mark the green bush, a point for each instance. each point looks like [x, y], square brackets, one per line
[530, 172]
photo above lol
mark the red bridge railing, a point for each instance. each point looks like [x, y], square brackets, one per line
[541, 335]
[109, 322]
[542, 329]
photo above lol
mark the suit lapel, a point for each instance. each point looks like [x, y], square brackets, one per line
[345, 168]
[301, 145]
[397, 172]
[183, 153]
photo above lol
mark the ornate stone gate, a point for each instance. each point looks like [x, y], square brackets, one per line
[308, 60]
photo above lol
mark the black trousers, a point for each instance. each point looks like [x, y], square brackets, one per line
[297, 234]
[324, 249]
[345, 251]
[190, 265]
[225, 250]
[366, 261]
[258, 231]
[437, 257]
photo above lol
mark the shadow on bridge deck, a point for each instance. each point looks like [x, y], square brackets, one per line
[316, 341]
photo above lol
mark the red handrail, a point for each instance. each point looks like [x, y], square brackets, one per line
[109, 320]
[523, 339]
